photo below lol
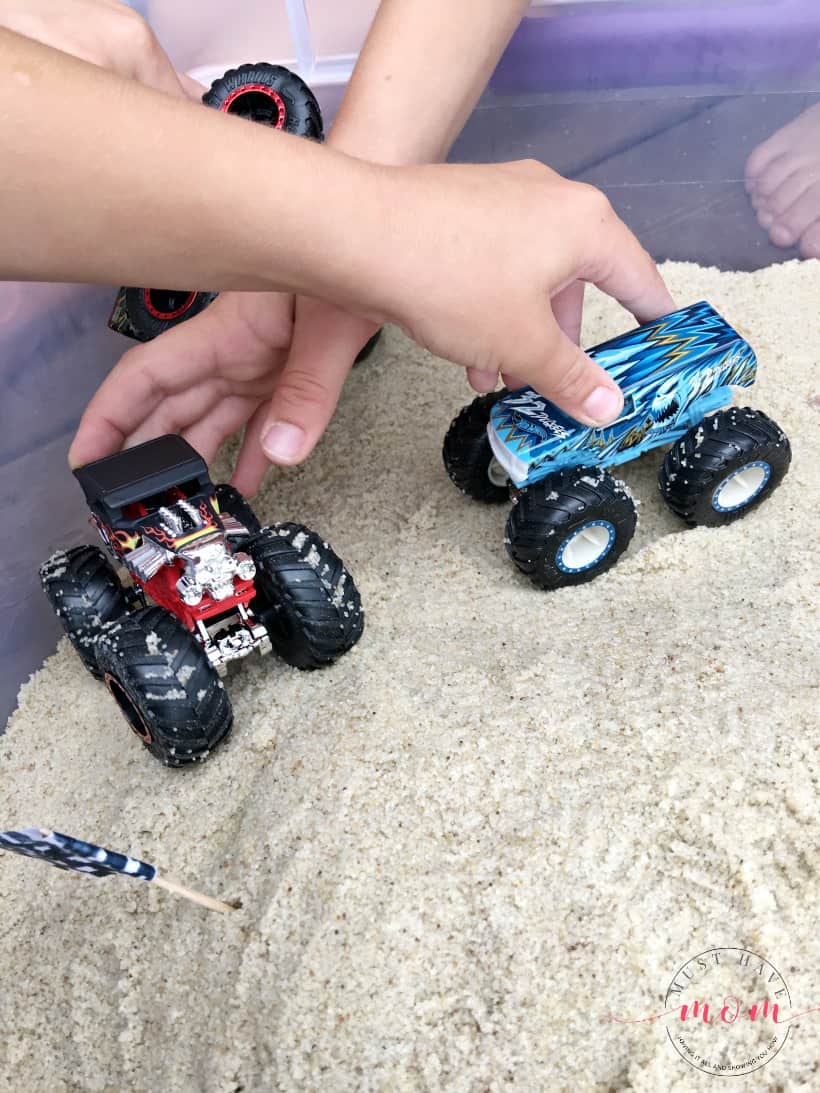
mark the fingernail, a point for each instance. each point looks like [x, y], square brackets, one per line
[483, 381]
[283, 442]
[602, 406]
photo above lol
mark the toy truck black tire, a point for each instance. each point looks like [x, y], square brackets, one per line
[468, 457]
[231, 502]
[307, 600]
[85, 593]
[570, 527]
[270, 95]
[724, 467]
[264, 93]
[145, 313]
[162, 681]
[368, 347]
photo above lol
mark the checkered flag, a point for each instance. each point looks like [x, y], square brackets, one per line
[64, 852]
[67, 853]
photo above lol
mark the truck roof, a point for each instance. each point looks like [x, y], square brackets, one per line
[664, 368]
[141, 471]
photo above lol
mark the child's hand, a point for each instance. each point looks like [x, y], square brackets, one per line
[103, 32]
[489, 301]
[326, 342]
[490, 275]
[508, 303]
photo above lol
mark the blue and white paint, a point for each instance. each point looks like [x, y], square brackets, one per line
[672, 372]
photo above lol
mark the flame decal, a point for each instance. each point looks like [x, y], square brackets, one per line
[635, 435]
[160, 536]
[123, 541]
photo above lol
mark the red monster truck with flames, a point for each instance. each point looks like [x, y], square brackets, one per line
[209, 585]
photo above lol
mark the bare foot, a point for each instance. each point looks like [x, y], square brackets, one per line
[783, 183]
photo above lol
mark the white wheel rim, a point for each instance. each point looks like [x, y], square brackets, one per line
[496, 473]
[586, 547]
[741, 486]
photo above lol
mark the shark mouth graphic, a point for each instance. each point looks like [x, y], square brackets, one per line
[667, 412]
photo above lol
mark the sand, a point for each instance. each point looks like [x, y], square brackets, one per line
[503, 816]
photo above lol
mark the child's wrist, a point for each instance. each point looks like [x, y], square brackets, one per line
[351, 255]
[357, 138]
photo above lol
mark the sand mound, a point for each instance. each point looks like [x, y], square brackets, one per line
[502, 817]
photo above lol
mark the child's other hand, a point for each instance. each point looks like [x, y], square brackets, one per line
[205, 379]
[243, 363]
[103, 32]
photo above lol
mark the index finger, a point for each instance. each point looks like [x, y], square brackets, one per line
[623, 269]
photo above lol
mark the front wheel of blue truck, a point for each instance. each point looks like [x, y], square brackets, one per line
[468, 457]
[724, 467]
[570, 527]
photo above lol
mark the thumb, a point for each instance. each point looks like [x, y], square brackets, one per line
[567, 376]
[325, 343]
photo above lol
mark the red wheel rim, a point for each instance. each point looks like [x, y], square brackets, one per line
[130, 712]
[261, 89]
[166, 315]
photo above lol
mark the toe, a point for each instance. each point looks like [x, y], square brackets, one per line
[760, 160]
[791, 225]
[810, 241]
[765, 219]
[782, 236]
[778, 171]
[792, 189]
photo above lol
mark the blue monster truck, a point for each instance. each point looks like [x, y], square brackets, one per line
[571, 520]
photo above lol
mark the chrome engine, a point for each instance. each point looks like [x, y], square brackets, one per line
[209, 567]
[147, 560]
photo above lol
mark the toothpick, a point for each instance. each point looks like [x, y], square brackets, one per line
[188, 893]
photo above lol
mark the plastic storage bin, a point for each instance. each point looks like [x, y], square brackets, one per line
[55, 350]
[659, 102]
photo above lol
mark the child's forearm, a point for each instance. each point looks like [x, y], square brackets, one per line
[420, 73]
[106, 180]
